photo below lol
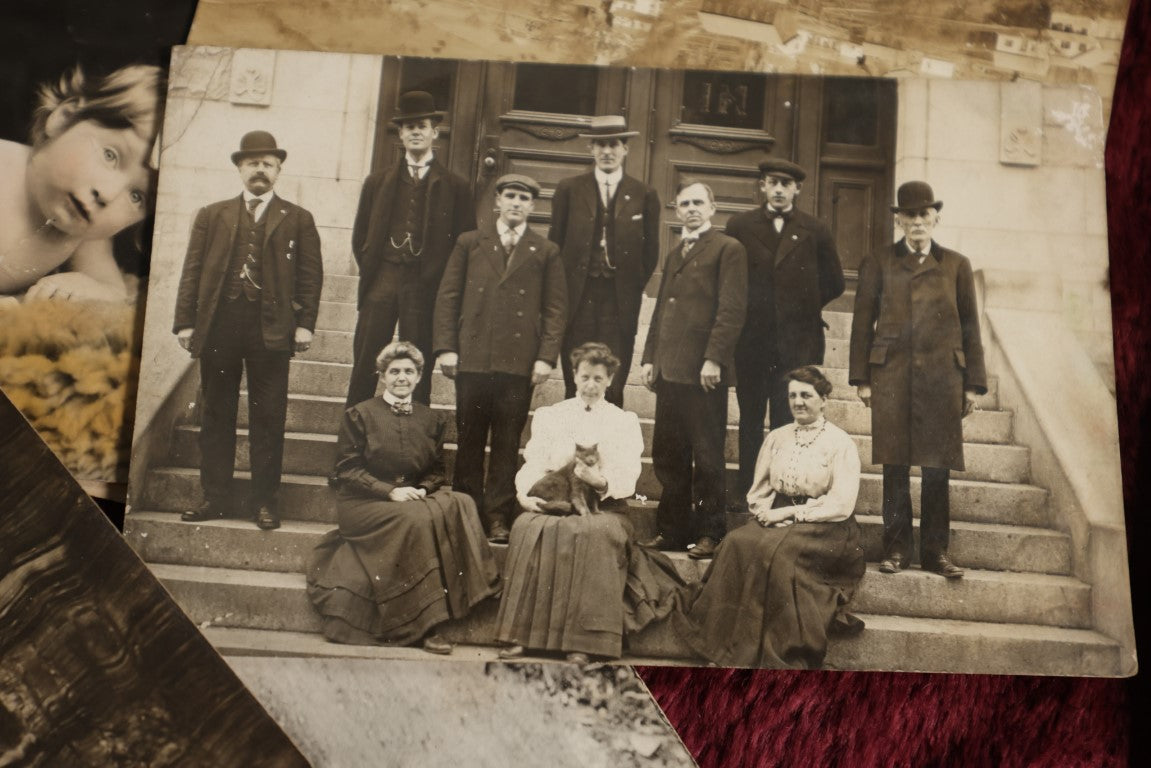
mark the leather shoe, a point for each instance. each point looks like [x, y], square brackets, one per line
[511, 652]
[438, 645]
[209, 510]
[893, 563]
[579, 659]
[499, 534]
[703, 549]
[942, 565]
[659, 541]
[266, 518]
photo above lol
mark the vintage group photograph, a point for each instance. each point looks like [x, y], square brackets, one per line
[521, 361]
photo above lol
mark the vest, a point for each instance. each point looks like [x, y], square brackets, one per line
[249, 242]
[604, 227]
[406, 227]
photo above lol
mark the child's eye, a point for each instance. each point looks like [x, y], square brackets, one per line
[137, 197]
[110, 155]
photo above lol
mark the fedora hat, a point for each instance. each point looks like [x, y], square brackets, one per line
[518, 181]
[608, 127]
[915, 196]
[781, 166]
[258, 143]
[417, 105]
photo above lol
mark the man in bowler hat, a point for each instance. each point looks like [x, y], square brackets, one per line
[606, 224]
[793, 271]
[247, 300]
[688, 361]
[499, 322]
[917, 361]
[407, 223]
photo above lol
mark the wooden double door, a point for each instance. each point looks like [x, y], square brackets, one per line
[711, 126]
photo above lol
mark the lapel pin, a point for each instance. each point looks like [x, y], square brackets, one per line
[532, 248]
[795, 237]
[627, 197]
[291, 243]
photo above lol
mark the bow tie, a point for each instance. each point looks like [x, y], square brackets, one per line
[403, 408]
[774, 214]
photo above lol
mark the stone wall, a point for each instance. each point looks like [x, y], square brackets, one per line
[321, 109]
[1019, 167]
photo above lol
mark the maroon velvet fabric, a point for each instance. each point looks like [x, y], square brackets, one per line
[767, 718]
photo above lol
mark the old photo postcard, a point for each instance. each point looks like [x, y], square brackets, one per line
[905, 279]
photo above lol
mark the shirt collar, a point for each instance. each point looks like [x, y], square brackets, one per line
[264, 198]
[769, 211]
[428, 158]
[502, 228]
[612, 177]
[911, 248]
[696, 234]
[391, 399]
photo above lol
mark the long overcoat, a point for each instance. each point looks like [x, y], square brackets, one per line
[635, 250]
[788, 286]
[501, 319]
[449, 212]
[292, 271]
[915, 340]
[700, 310]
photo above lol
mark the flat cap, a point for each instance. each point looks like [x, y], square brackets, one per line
[785, 167]
[519, 181]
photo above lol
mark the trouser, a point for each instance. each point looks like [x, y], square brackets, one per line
[236, 344]
[495, 403]
[597, 318]
[396, 296]
[935, 513]
[756, 388]
[687, 454]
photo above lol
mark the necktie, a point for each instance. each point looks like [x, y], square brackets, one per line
[416, 170]
[253, 204]
[688, 242]
[606, 194]
[509, 240]
[920, 256]
[402, 408]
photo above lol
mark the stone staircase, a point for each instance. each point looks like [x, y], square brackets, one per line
[1018, 610]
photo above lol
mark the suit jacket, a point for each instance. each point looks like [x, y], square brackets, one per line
[915, 340]
[501, 320]
[450, 211]
[788, 287]
[292, 271]
[635, 251]
[700, 310]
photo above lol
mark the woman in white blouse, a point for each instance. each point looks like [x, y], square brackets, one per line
[576, 584]
[778, 584]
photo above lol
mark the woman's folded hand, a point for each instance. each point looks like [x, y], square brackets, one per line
[405, 493]
[531, 503]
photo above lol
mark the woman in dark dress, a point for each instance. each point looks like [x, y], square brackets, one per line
[778, 584]
[408, 554]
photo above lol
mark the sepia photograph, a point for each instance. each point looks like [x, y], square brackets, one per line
[513, 361]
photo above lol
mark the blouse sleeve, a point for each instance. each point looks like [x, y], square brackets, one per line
[436, 475]
[622, 448]
[537, 453]
[761, 495]
[351, 469]
[839, 501]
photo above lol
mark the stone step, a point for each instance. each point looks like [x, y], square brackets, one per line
[340, 288]
[271, 600]
[311, 453]
[336, 316]
[160, 537]
[308, 498]
[322, 414]
[891, 643]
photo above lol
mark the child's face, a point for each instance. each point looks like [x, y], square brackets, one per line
[92, 181]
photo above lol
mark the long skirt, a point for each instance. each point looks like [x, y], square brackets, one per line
[771, 594]
[580, 584]
[396, 569]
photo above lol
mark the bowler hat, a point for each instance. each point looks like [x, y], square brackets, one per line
[258, 143]
[518, 181]
[417, 105]
[785, 167]
[608, 127]
[915, 196]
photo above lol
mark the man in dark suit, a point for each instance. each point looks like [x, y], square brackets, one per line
[407, 223]
[917, 361]
[607, 227]
[689, 362]
[499, 322]
[793, 272]
[248, 298]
